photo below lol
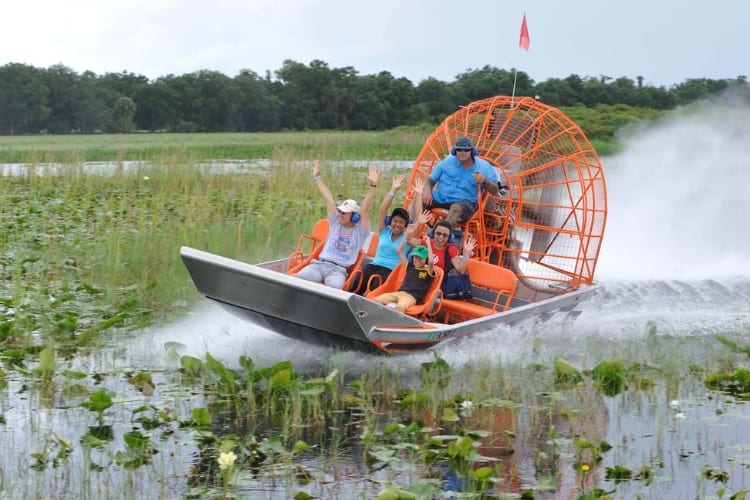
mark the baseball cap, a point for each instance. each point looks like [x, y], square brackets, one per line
[349, 206]
[420, 251]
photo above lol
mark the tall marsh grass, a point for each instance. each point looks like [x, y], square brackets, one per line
[81, 248]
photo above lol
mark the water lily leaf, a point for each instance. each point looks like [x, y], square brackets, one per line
[142, 381]
[88, 440]
[393, 493]
[190, 366]
[281, 379]
[565, 372]
[449, 415]
[391, 428]
[301, 495]
[483, 473]
[99, 400]
[314, 391]
[300, 446]
[201, 417]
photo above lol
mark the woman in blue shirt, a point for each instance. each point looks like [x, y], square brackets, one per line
[391, 231]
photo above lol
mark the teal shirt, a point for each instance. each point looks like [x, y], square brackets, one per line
[386, 255]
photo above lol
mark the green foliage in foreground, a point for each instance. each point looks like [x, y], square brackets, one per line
[447, 432]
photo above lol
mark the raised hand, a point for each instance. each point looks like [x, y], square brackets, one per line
[424, 218]
[397, 182]
[316, 168]
[373, 174]
[470, 244]
[419, 186]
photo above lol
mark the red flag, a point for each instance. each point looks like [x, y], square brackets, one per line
[523, 42]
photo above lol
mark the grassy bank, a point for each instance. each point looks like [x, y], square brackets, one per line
[403, 143]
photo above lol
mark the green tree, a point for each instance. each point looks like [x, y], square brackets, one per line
[438, 96]
[157, 106]
[259, 109]
[64, 99]
[23, 99]
[124, 111]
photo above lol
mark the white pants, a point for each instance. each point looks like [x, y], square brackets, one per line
[324, 272]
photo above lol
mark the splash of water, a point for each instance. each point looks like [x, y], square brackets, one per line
[678, 198]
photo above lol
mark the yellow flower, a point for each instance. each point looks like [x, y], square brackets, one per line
[226, 460]
[585, 467]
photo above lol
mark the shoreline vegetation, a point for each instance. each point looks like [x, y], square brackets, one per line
[600, 124]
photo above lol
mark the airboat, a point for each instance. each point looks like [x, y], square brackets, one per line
[538, 242]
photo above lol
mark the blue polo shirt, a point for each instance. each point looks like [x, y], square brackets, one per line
[454, 183]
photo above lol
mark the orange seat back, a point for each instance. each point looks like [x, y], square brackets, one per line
[495, 278]
[396, 278]
[308, 247]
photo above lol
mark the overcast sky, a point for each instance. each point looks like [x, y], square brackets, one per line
[665, 41]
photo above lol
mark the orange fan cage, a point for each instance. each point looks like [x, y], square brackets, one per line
[547, 226]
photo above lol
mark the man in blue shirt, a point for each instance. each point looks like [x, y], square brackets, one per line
[457, 177]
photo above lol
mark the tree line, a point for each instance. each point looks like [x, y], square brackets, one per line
[57, 100]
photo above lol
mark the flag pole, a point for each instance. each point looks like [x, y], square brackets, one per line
[515, 75]
[523, 43]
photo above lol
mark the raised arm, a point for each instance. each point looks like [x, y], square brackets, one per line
[429, 184]
[461, 261]
[372, 177]
[430, 256]
[417, 205]
[383, 211]
[413, 230]
[400, 250]
[327, 196]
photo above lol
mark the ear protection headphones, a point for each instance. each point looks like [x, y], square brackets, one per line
[356, 217]
[473, 151]
[388, 220]
[431, 234]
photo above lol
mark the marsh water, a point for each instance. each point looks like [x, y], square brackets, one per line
[676, 271]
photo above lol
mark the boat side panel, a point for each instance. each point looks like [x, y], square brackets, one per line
[442, 333]
[284, 304]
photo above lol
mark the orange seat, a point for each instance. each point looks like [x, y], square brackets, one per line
[357, 272]
[300, 258]
[485, 275]
[352, 270]
[431, 298]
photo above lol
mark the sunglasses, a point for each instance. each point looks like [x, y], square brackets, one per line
[442, 235]
[462, 150]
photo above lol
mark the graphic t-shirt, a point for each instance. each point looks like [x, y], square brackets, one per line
[343, 243]
[439, 255]
[417, 281]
